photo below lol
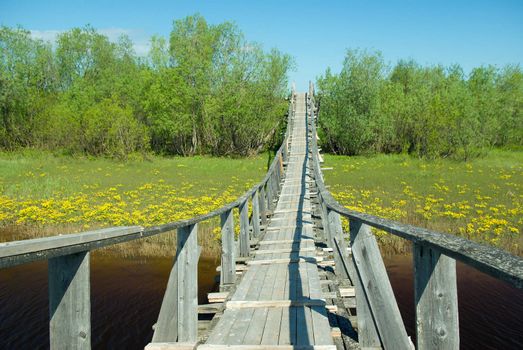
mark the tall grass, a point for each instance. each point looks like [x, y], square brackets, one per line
[481, 199]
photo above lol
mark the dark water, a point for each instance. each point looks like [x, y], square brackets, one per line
[490, 311]
[126, 297]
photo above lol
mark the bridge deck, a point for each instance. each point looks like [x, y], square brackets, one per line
[279, 300]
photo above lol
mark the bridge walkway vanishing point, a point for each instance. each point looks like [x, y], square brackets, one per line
[288, 296]
[279, 299]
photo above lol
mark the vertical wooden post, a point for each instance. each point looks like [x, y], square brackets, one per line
[367, 332]
[263, 206]
[270, 191]
[324, 220]
[337, 233]
[435, 293]
[178, 318]
[244, 228]
[255, 215]
[281, 169]
[70, 301]
[228, 261]
[377, 288]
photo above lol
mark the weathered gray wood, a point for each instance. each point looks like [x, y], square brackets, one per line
[435, 293]
[188, 255]
[228, 261]
[274, 303]
[244, 229]
[263, 206]
[377, 288]
[178, 318]
[69, 302]
[336, 232]
[265, 347]
[255, 218]
[21, 252]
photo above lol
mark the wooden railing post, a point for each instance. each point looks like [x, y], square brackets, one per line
[70, 302]
[244, 228]
[255, 215]
[435, 293]
[367, 331]
[270, 191]
[336, 232]
[178, 318]
[263, 206]
[377, 289]
[228, 261]
[324, 219]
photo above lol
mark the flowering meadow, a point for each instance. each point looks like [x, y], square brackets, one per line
[481, 200]
[44, 195]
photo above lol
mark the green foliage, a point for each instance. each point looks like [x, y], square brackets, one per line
[206, 91]
[426, 111]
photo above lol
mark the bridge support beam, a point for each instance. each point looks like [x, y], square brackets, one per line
[178, 319]
[70, 302]
[435, 293]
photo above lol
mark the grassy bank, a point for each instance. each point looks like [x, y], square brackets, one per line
[481, 199]
[42, 194]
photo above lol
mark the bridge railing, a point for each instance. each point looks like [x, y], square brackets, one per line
[434, 260]
[69, 262]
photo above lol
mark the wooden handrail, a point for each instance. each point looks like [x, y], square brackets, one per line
[490, 260]
[434, 260]
[69, 262]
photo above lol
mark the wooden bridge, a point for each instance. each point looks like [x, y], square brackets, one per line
[292, 280]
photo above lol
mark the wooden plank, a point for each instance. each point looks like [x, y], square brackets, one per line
[277, 251]
[272, 327]
[245, 327]
[348, 292]
[377, 288]
[285, 260]
[435, 294]
[217, 297]
[69, 302]
[243, 304]
[170, 346]
[265, 347]
[210, 308]
[228, 273]
[302, 242]
[273, 320]
[244, 229]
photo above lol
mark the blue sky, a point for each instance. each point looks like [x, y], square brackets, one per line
[316, 33]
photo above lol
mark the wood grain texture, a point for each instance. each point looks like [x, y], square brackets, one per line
[69, 302]
[435, 294]
[228, 260]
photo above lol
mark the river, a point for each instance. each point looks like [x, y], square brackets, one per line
[126, 296]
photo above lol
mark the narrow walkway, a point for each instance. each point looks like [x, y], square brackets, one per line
[278, 303]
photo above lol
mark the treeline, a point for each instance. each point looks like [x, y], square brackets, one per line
[425, 111]
[205, 91]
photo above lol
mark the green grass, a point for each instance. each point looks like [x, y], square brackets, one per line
[42, 195]
[40, 175]
[481, 199]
